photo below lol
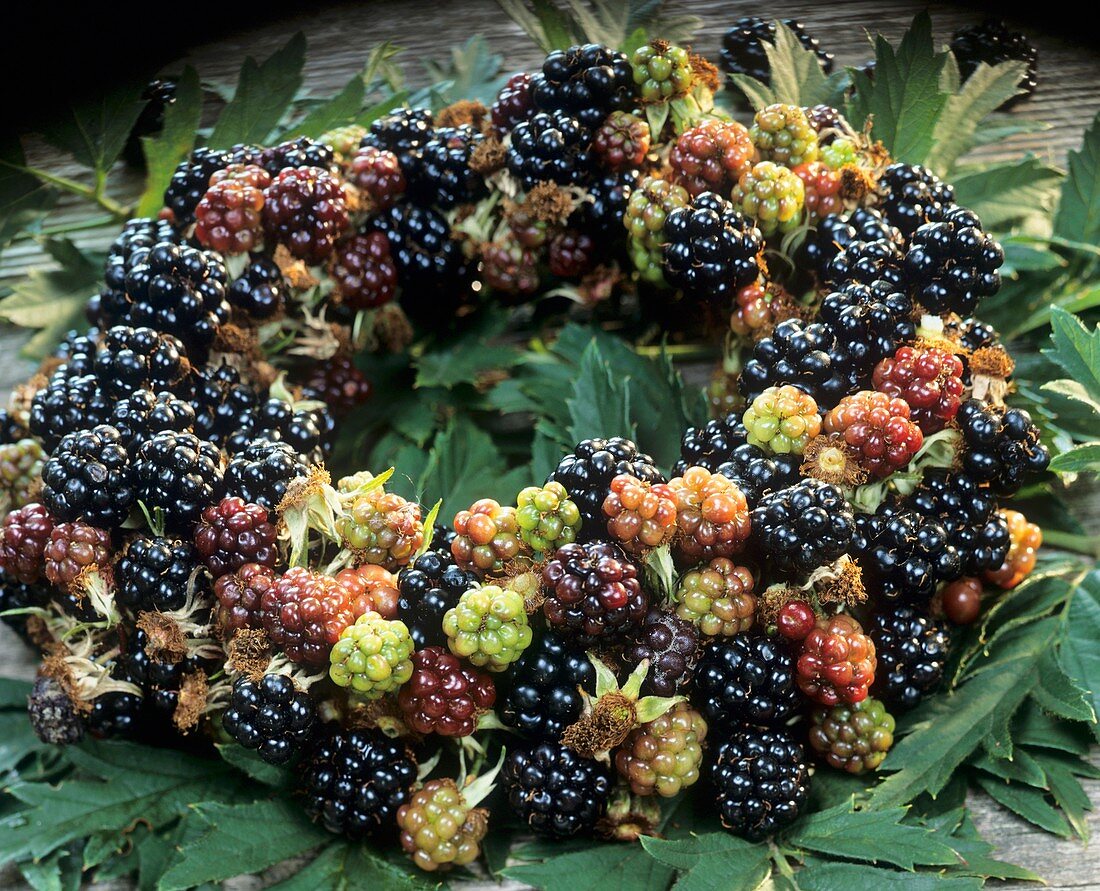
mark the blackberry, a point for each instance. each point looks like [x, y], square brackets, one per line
[179, 473]
[222, 401]
[442, 175]
[270, 715]
[876, 430]
[444, 696]
[803, 527]
[377, 174]
[571, 254]
[78, 351]
[854, 738]
[593, 592]
[588, 470]
[609, 194]
[154, 574]
[54, 716]
[440, 828]
[180, 291]
[646, 212]
[974, 334]
[904, 553]
[712, 156]
[968, 513]
[717, 598]
[190, 181]
[260, 473]
[992, 43]
[297, 153]
[867, 262]
[712, 516]
[550, 147]
[806, 355]
[364, 272]
[710, 250]
[402, 132]
[143, 414]
[929, 379]
[513, 102]
[240, 595]
[746, 678]
[20, 471]
[157, 96]
[430, 586]
[160, 681]
[1003, 446]
[259, 291]
[671, 645]
[233, 532]
[309, 431]
[381, 528]
[338, 384]
[66, 405]
[229, 218]
[12, 429]
[664, 756]
[913, 195]
[772, 196]
[544, 697]
[834, 233]
[640, 517]
[760, 779]
[72, 548]
[621, 142]
[783, 420]
[588, 82]
[488, 627]
[305, 209]
[23, 539]
[116, 713]
[554, 790]
[140, 358]
[16, 595]
[952, 264]
[510, 269]
[911, 649]
[1026, 539]
[304, 613]
[711, 445]
[89, 477]
[372, 656]
[870, 321]
[139, 233]
[784, 135]
[743, 47]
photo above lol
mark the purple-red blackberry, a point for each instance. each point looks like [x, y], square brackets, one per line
[364, 271]
[544, 697]
[593, 592]
[550, 147]
[992, 43]
[442, 174]
[89, 477]
[240, 595]
[952, 264]
[588, 82]
[913, 195]
[443, 695]
[904, 554]
[377, 174]
[555, 791]
[305, 210]
[232, 533]
[260, 473]
[72, 548]
[760, 779]
[1003, 446]
[179, 473]
[571, 253]
[710, 249]
[746, 678]
[259, 291]
[911, 649]
[154, 574]
[743, 47]
[338, 384]
[304, 614]
[430, 586]
[806, 355]
[23, 540]
[66, 405]
[671, 645]
[803, 527]
[270, 715]
[229, 217]
[142, 414]
[513, 103]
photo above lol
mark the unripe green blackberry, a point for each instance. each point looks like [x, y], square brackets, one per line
[20, 470]
[783, 133]
[373, 656]
[344, 142]
[772, 195]
[717, 597]
[782, 420]
[854, 738]
[488, 627]
[381, 527]
[439, 829]
[839, 153]
[662, 71]
[644, 219]
[663, 756]
[546, 517]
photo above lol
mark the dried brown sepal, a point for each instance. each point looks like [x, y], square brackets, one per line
[842, 584]
[192, 701]
[393, 328]
[249, 653]
[488, 156]
[772, 600]
[380, 714]
[528, 584]
[855, 184]
[549, 203]
[303, 488]
[464, 111]
[237, 339]
[57, 669]
[705, 72]
[830, 459]
[607, 725]
[990, 369]
[295, 271]
[166, 642]
[39, 633]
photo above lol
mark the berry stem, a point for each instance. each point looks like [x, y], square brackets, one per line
[1088, 545]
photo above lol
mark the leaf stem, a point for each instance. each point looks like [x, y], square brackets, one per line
[781, 861]
[1089, 545]
[96, 194]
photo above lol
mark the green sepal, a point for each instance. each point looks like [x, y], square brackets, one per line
[650, 708]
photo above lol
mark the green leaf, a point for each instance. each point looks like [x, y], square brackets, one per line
[1026, 802]
[905, 98]
[1075, 349]
[1020, 768]
[1078, 215]
[715, 861]
[251, 764]
[336, 112]
[173, 144]
[797, 76]
[544, 23]
[95, 131]
[600, 404]
[343, 866]
[24, 199]
[1080, 651]
[472, 73]
[464, 465]
[467, 357]
[1072, 390]
[597, 868]
[820, 875]
[876, 836]
[1068, 793]
[263, 95]
[1006, 193]
[957, 830]
[14, 693]
[759, 94]
[1033, 727]
[1059, 695]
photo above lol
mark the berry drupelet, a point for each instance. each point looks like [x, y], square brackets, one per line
[588, 82]
[178, 473]
[155, 574]
[805, 355]
[760, 779]
[131, 359]
[710, 249]
[803, 527]
[259, 291]
[143, 414]
[1002, 446]
[911, 649]
[89, 477]
[952, 264]
[746, 678]
[593, 592]
[543, 697]
[555, 791]
[270, 715]
[912, 195]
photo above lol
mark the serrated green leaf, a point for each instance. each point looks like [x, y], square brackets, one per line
[1068, 793]
[472, 72]
[1006, 193]
[1026, 802]
[1033, 727]
[715, 861]
[24, 199]
[597, 868]
[263, 95]
[1021, 768]
[796, 74]
[1080, 651]
[543, 22]
[959, 832]
[173, 144]
[1075, 349]
[469, 356]
[1078, 215]
[758, 93]
[95, 131]
[820, 875]
[1059, 695]
[600, 403]
[251, 764]
[465, 464]
[336, 112]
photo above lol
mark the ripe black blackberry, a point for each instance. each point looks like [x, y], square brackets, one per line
[746, 678]
[154, 573]
[270, 715]
[992, 43]
[710, 445]
[803, 527]
[131, 359]
[968, 512]
[867, 262]
[402, 132]
[66, 405]
[554, 790]
[179, 473]
[757, 473]
[429, 586]
[144, 413]
[586, 81]
[354, 781]
[181, 291]
[16, 595]
[77, 350]
[89, 477]
[1003, 446]
[160, 681]
[262, 471]
[550, 146]
[952, 264]
[157, 96]
[223, 402]
[973, 334]
[543, 697]
[835, 232]
[442, 174]
[904, 554]
[671, 645]
[804, 354]
[115, 713]
[760, 779]
[913, 195]
[710, 249]
[743, 47]
[259, 291]
[11, 428]
[911, 649]
[308, 430]
[190, 181]
[588, 470]
[114, 305]
[609, 194]
[300, 152]
[870, 321]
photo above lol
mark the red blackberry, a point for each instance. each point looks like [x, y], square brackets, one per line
[806, 355]
[712, 156]
[837, 662]
[338, 384]
[904, 553]
[154, 574]
[1003, 446]
[72, 548]
[354, 781]
[113, 305]
[822, 189]
[912, 195]
[571, 254]
[305, 210]
[229, 216]
[587, 473]
[143, 414]
[308, 431]
[911, 649]
[952, 264]
[867, 262]
[222, 401]
[89, 477]
[402, 132]
[746, 678]
[509, 268]
[240, 595]
[178, 473]
[803, 527]
[442, 175]
[593, 592]
[760, 779]
[364, 272]
[961, 600]
[66, 405]
[140, 359]
[270, 715]
[190, 181]
[23, 540]
[304, 613]
[260, 291]
[297, 153]
[929, 379]
[834, 233]
[621, 142]
[712, 515]
[544, 696]
[430, 586]
[373, 588]
[992, 43]
[232, 533]
[180, 291]
[968, 512]
[671, 645]
[444, 696]
[261, 472]
[377, 174]
[743, 47]
[588, 82]
[710, 249]
[554, 790]
[870, 321]
[513, 103]
[878, 428]
[550, 147]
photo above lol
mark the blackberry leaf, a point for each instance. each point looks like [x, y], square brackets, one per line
[709, 860]
[600, 403]
[1078, 216]
[877, 836]
[335, 112]
[95, 131]
[797, 76]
